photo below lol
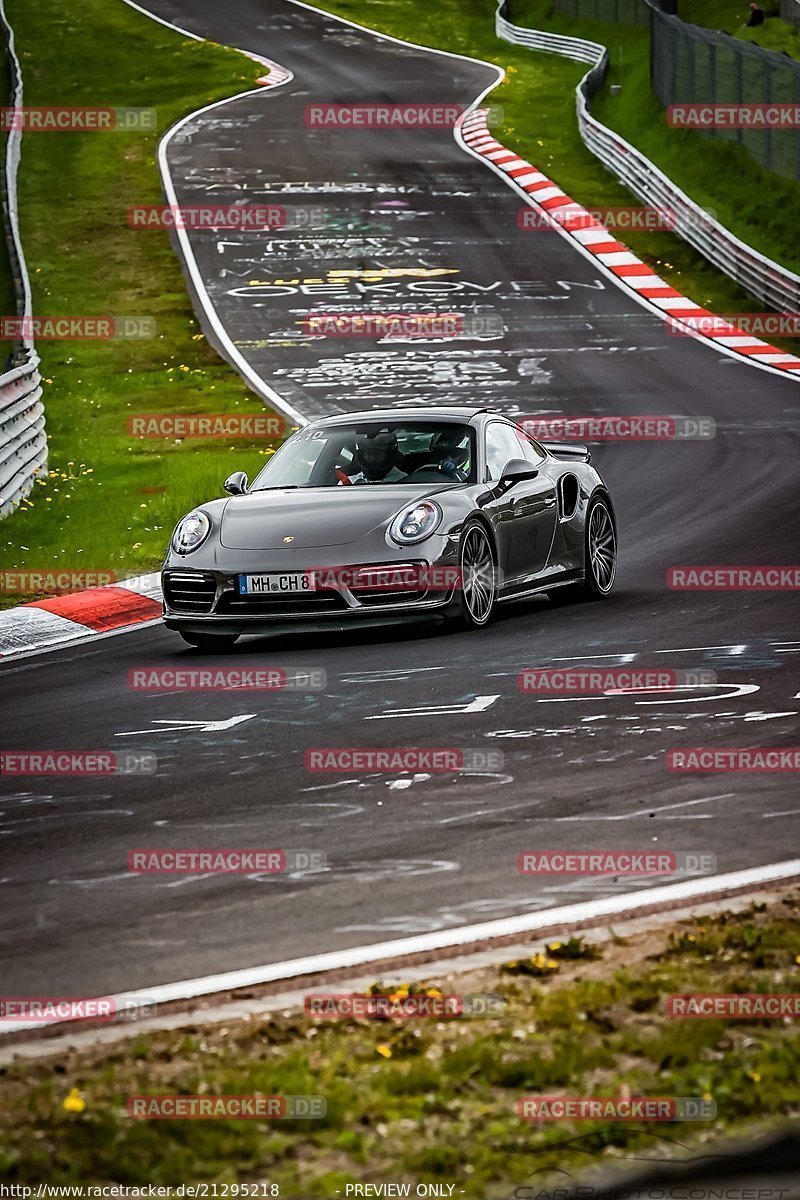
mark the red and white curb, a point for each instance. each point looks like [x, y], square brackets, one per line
[59, 620]
[597, 242]
[276, 75]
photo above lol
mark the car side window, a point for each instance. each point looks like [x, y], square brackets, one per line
[530, 450]
[502, 444]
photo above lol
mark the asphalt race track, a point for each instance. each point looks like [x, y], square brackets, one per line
[411, 213]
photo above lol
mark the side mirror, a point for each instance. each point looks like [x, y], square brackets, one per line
[236, 484]
[516, 470]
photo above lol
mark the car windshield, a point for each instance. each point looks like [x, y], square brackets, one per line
[372, 452]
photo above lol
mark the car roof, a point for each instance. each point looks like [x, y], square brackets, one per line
[431, 413]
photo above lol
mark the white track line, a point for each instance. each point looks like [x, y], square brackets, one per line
[569, 916]
[67, 643]
[145, 12]
[388, 37]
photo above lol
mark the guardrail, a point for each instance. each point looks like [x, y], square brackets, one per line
[773, 284]
[23, 441]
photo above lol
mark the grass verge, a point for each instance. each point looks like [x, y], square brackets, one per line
[732, 15]
[109, 502]
[435, 1101]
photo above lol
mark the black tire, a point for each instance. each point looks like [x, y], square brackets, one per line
[599, 558]
[211, 643]
[478, 573]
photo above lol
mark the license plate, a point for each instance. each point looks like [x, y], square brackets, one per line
[291, 583]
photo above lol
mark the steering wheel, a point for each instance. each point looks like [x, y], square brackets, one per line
[341, 477]
[447, 467]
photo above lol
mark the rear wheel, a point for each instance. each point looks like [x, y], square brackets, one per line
[211, 643]
[600, 558]
[478, 572]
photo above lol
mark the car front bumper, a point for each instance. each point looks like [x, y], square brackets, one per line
[200, 599]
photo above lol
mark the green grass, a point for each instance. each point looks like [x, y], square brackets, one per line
[109, 502]
[732, 15]
[435, 1101]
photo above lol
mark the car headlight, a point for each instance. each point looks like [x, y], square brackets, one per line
[191, 532]
[415, 523]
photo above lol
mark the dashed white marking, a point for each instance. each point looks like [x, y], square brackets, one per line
[767, 716]
[479, 704]
[173, 726]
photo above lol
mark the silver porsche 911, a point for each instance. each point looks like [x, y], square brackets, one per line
[388, 515]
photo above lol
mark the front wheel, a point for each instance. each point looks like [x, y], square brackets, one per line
[478, 575]
[599, 559]
[211, 643]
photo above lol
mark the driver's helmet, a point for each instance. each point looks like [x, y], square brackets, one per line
[377, 453]
[448, 450]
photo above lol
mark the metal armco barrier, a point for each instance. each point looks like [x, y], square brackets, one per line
[23, 441]
[770, 282]
[23, 444]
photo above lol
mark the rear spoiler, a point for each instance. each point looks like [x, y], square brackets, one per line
[568, 450]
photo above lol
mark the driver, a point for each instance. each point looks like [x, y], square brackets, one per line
[377, 458]
[451, 457]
